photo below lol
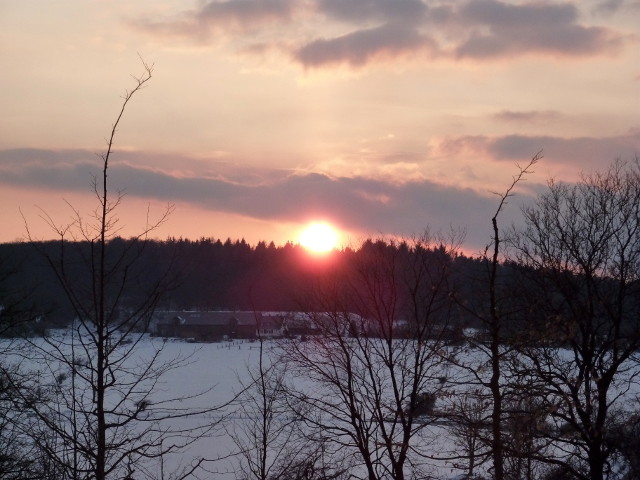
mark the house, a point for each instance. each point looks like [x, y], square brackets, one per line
[271, 325]
[316, 323]
[299, 324]
[217, 325]
[205, 326]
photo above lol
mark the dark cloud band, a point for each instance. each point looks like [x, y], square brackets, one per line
[388, 29]
[359, 203]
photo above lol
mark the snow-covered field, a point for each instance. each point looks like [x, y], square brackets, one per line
[212, 375]
[223, 368]
[215, 373]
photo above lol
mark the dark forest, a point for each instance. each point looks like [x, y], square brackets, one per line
[208, 274]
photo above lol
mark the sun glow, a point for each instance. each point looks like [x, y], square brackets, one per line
[319, 238]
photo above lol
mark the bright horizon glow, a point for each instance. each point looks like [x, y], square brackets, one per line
[319, 237]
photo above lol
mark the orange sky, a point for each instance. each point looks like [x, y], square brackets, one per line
[384, 117]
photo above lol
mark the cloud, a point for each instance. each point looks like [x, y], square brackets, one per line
[361, 47]
[608, 7]
[324, 33]
[531, 116]
[245, 11]
[578, 152]
[502, 29]
[219, 16]
[373, 10]
[473, 30]
[358, 203]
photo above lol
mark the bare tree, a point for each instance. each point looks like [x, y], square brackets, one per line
[469, 427]
[580, 251]
[267, 434]
[102, 414]
[493, 312]
[264, 430]
[18, 453]
[383, 324]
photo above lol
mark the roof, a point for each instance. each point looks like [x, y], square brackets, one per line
[247, 318]
[217, 318]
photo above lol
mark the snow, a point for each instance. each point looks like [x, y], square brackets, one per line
[212, 374]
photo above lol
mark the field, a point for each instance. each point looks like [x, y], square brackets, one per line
[214, 373]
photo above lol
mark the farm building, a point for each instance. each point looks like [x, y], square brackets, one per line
[218, 325]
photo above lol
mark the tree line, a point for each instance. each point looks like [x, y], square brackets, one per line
[207, 274]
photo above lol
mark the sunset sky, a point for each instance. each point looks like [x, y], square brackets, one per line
[382, 117]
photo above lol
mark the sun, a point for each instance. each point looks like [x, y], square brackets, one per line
[319, 237]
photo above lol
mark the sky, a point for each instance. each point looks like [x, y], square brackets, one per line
[382, 117]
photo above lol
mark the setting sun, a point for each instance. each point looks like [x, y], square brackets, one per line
[319, 237]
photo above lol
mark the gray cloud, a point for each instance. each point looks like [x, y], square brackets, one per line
[373, 10]
[358, 203]
[585, 151]
[385, 29]
[361, 204]
[245, 11]
[578, 152]
[503, 29]
[362, 46]
[502, 14]
[608, 7]
[531, 116]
